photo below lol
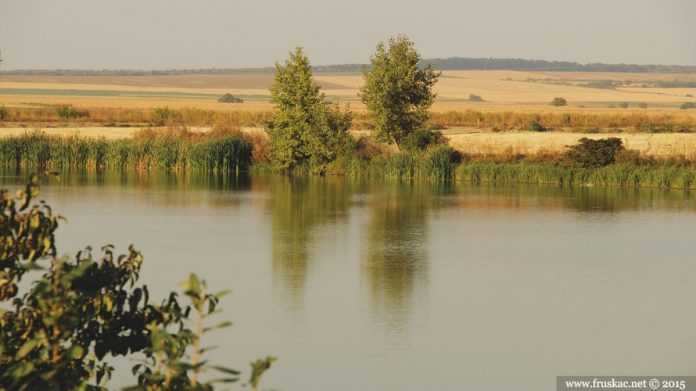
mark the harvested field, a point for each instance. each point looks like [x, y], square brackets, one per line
[662, 145]
[497, 88]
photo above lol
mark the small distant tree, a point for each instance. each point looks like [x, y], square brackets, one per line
[590, 153]
[559, 102]
[643, 105]
[397, 92]
[229, 98]
[475, 98]
[305, 129]
[687, 105]
[623, 105]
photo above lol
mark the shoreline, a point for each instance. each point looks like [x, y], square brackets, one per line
[466, 140]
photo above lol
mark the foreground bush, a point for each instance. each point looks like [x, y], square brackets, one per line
[58, 332]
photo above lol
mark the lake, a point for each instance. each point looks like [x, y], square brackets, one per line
[361, 285]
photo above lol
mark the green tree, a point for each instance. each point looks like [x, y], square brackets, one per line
[305, 129]
[397, 92]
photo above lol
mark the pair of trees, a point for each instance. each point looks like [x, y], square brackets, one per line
[308, 130]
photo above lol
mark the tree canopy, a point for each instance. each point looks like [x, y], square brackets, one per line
[397, 92]
[306, 129]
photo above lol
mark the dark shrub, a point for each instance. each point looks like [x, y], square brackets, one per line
[67, 112]
[623, 105]
[536, 126]
[475, 98]
[229, 98]
[643, 105]
[559, 102]
[687, 105]
[590, 153]
[420, 139]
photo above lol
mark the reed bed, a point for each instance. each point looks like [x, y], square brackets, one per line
[170, 150]
[625, 175]
[442, 164]
[438, 163]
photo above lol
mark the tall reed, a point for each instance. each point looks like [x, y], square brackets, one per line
[148, 150]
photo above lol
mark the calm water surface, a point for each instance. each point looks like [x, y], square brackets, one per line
[376, 286]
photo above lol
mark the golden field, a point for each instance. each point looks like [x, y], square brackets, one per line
[512, 100]
[497, 88]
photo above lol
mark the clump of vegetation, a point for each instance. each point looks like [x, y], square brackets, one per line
[174, 149]
[603, 84]
[440, 162]
[623, 105]
[397, 92]
[475, 98]
[67, 112]
[306, 130]
[229, 98]
[535, 126]
[643, 105]
[558, 101]
[689, 95]
[420, 139]
[163, 115]
[78, 312]
[688, 105]
[589, 153]
[3, 113]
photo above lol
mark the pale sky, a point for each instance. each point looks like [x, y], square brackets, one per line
[177, 34]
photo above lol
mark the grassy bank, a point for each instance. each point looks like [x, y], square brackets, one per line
[625, 175]
[443, 164]
[180, 150]
[172, 150]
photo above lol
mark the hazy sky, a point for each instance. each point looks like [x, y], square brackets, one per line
[166, 34]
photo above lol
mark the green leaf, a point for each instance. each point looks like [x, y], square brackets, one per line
[218, 326]
[225, 370]
[222, 294]
[26, 348]
[192, 285]
[76, 351]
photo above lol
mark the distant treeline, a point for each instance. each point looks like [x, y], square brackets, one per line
[454, 63]
[516, 64]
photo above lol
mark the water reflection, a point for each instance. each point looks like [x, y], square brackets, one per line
[396, 259]
[300, 209]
